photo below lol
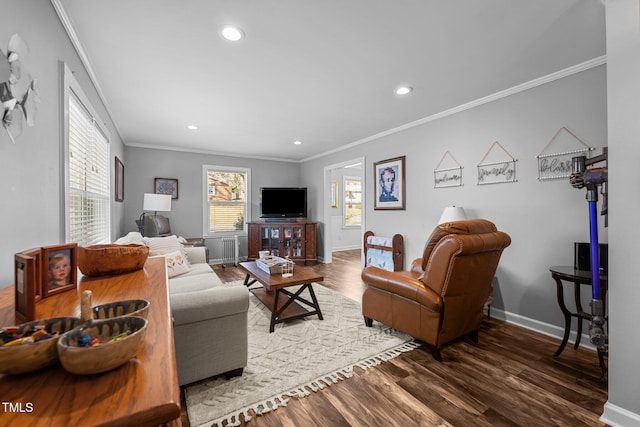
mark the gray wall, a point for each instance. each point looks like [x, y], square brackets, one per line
[544, 219]
[623, 87]
[31, 171]
[186, 211]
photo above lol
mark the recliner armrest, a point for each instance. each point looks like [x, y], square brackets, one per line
[402, 283]
[191, 307]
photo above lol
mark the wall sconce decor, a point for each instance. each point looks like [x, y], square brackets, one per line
[18, 91]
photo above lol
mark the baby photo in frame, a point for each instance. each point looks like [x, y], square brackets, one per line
[59, 269]
[28, 284]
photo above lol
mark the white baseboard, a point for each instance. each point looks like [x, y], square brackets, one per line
[345, 248]
[541, 327]
[218, 261]
[616, 416]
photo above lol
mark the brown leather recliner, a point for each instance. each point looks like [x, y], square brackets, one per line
[442, 296]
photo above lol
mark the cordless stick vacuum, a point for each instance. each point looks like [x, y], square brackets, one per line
[592, 178]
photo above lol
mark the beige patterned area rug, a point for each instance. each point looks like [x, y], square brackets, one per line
[298, 358]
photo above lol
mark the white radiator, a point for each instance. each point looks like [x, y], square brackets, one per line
[230, 248]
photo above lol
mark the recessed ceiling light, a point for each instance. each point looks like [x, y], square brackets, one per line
[231, 33]
[297, 142]
[192, 127]
[403, 90]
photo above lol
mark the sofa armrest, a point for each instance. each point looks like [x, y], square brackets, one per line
[190, 307]
[196, 254]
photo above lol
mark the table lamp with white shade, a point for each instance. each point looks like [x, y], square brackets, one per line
[153, 202]
[452, 213]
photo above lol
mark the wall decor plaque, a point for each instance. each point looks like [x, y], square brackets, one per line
[558, 164]
[497, 171]
[447, 176]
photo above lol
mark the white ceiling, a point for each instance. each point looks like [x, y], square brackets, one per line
[323, 72]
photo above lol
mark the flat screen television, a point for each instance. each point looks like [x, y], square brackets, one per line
[283, 202]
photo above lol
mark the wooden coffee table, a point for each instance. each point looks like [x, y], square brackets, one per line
[283, 303]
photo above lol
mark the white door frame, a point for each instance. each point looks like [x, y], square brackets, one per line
[328, 241]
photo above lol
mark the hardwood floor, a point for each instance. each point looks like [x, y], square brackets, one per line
[510, 378]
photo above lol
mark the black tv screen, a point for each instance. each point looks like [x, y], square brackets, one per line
[283, 202]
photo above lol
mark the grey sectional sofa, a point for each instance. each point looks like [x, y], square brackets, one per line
[210, 322]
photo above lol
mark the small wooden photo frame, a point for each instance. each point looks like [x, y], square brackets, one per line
[28, 284]
[59, 269]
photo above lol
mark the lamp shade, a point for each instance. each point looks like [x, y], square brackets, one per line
[156, 202]
[452, 213]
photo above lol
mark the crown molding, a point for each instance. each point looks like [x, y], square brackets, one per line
[583, 66]
[68, 26]
[75, 41]
[209, 152]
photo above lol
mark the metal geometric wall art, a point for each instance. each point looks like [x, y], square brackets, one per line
[18, 91]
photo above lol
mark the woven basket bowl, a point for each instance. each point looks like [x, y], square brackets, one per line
[106, 356]
[28, 357]
[111, 259]
[133, 307]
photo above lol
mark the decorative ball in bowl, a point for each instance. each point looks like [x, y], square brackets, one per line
[101, 345]
[32, 346]
[133, 307]
[111, 259]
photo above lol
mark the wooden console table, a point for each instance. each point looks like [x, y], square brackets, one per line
[143, 392]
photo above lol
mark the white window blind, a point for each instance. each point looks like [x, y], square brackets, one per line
[88, 192]
[226, 199]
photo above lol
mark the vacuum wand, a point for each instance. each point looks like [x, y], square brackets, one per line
[590, 178]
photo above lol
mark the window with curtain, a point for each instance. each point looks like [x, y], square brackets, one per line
[87, 170]
[227, 199]
[352, 203]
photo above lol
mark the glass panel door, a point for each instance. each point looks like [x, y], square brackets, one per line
[275, 241]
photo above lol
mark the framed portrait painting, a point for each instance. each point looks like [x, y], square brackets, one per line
[167, 186]
[59, 269]
[389, 176]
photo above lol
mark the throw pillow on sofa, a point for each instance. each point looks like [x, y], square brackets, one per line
[165, 246]
[176, 264]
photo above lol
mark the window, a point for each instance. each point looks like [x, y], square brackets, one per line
[87, 172]
[227, 199]
[352, 206]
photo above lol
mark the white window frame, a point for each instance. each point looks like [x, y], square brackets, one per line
[344, 201]
[71, 88]
[205, 201]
